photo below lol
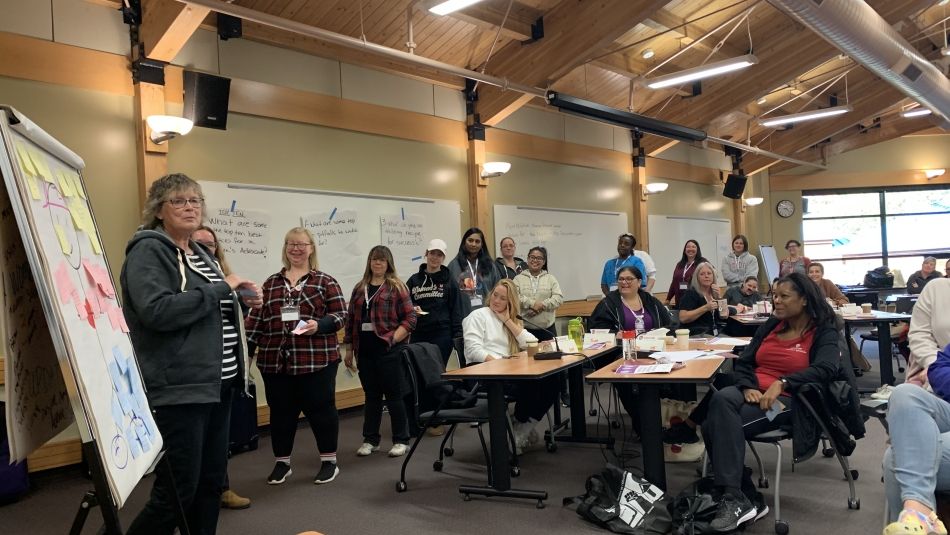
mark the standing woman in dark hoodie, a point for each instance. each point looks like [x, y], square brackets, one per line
[186, 326]
[436, 300]
[630, 308]
[473, 270]
[509, 265]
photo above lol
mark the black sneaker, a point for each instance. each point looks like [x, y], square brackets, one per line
[733, 511]
[279, 474]
[328, 472]
[680, 433]
[761, 508]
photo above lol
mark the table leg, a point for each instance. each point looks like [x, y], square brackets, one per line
[578, 420]
[651, 438]
[885, 352]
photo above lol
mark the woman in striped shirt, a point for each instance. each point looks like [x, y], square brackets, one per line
[295, 337]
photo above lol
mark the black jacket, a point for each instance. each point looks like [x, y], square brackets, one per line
[917, 281]
[608, 314]
[438, 295]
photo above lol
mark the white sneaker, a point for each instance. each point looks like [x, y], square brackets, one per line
[366, 449]
[398, 450]
[521, 431]
[884, 392]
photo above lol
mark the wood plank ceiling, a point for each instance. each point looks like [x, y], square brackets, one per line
[596, 50]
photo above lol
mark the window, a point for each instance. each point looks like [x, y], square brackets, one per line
[851, 233]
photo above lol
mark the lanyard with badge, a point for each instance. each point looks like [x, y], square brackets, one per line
[476, 299]
[638, 323]
[683, 284]
[291, 309]
[614, 286]
[367, 325]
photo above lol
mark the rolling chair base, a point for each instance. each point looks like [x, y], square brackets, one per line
[467, 490]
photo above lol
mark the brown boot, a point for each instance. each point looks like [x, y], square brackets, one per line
[436, 431]
[231, 500]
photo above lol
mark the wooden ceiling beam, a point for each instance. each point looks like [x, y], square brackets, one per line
[490, 15]
[167, 25]
[573, 32]
[691, 31]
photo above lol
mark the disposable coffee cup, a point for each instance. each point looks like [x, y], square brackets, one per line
[682, 338]
[866, 308]
[532, 349]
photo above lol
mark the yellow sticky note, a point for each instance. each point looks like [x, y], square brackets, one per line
[39, 163]
[26, 163]
[65, 183]
[34, 190]
[63, 242]
[77, 182]
[94, 240]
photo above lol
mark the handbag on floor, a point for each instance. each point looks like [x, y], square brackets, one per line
[673, 411]
[623, 503]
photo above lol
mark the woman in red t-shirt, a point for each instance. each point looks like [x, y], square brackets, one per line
[799, 345]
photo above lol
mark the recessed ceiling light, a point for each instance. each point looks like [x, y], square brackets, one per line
[647, 53]
[762, 101]
[796, 91]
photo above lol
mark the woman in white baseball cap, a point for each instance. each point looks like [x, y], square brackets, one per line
[437, 301]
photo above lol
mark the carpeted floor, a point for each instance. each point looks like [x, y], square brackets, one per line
[363, 500]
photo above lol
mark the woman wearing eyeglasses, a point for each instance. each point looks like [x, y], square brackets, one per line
[297, 353]
[185, 319]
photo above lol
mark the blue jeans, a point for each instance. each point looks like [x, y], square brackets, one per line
[918, 460]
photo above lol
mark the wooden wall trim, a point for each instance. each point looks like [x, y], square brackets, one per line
[871, 179]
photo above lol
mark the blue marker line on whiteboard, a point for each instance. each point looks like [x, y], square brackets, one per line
[233, 205]
[403, 213]
[333, 213]
[416, 258]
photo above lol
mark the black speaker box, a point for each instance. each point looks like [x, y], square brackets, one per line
[735, 185]
[229, 27]
[206, 99]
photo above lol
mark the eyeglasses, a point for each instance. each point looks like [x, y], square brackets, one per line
[209, 244]
[297, 245]
[179, 203]
[534, 257]
[626, 280]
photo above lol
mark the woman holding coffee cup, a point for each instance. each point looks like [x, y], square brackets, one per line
[701, 304]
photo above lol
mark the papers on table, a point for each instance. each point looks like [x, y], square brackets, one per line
[644, 368]
[725, 341]
[594, 340]
[683, 356]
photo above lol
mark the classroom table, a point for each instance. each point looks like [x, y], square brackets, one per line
[745, 324]
[493, 374]
[694, 372]
[882, 320]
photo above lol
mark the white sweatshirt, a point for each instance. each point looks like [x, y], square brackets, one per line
[485, 335]
[929, 330]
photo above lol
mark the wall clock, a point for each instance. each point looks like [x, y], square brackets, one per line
[785, 208]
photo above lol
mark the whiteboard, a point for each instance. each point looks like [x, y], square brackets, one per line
[668, 235]
[81, 314]
[770, 260]
[251, 221]
[578, 242]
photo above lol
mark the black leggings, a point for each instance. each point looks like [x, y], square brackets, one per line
[314, 394]
[384, 375]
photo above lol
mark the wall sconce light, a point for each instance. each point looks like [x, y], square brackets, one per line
[751, 201]
[934, 173]
[165, 127]
[652, 189]
[495, 169]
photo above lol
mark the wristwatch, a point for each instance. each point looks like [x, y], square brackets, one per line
[784, 382]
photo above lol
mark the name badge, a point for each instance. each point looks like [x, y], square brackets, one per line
[476, 301]
[289, 314]
[613, 287]
[366, 327]
[683, 286]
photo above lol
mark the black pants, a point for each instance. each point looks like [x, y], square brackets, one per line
[701, 412]
[442, 339]
[533, 399]
[730, 421]
[384, 375]
[196, 447]
[314, 394]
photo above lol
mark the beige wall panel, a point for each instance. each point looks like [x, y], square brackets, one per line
[622, 140]
[784, 229]
[686, 153]
[449, 103]
[546, 184]
[375, 87]
[200, 53]
[89, 25]
[241, 58]
[912, 152]
[690, 199]
[27, 17]
[587, 132]
[98, 127]
[535, 122]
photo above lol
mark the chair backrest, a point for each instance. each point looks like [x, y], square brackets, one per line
[905, 304]
[459, 345]
[422, 360]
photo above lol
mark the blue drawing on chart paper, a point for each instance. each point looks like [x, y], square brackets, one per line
[136, 432]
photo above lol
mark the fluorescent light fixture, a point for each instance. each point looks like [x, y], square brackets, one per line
[945, 51]
[915, 112]
[934, 173]
[165, 127]
[754, 201]
[762, 101]
[448, 6]
[703, 71]
[943, 2]
[495, 169]
[656, 187]
[805, 116]
[647, 53]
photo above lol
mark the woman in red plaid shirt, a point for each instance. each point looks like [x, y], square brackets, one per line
[379, 319]
[295, 337]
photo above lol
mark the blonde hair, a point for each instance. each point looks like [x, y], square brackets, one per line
[694, 282]
[218, 250]
[514, 310]
[381, 252]
[312, 259]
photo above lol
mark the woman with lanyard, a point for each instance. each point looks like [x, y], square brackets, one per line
[509, 265]
[793, 263]
[379, 320]
[739, 264]
[473, 270]
[295, 336]
[700, 302]
[626, 256]
[540, 295]
[683, 272]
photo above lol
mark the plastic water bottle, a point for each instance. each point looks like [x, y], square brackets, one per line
[575, 331]
[629, 341]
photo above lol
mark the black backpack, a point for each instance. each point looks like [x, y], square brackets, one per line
[879, 277]
[694, 508]
[623, 503]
